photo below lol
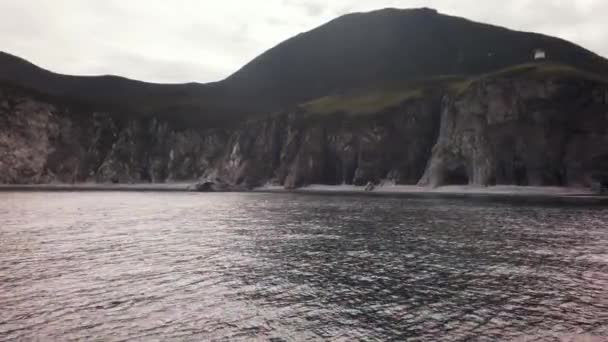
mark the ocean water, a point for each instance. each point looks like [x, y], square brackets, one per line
[283, 267]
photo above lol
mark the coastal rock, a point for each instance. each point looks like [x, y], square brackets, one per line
[521, 131]
[46, 143]
[212, 185]
[24, 139]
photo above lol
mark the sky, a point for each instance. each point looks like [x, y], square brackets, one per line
[173, 41]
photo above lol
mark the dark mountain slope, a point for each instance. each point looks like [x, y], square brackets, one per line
[108, 92]
[360, 49]
[103, 89]
[354, 51]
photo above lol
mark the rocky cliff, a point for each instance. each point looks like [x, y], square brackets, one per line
[524, 130]
[529, 128]
[41, 142]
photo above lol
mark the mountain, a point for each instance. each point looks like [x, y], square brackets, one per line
[363, 49]
[410, 96]
[106, 92]
[353, 51]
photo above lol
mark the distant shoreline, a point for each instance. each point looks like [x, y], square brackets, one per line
[523, 194]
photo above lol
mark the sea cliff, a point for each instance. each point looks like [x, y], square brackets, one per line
[528, 128]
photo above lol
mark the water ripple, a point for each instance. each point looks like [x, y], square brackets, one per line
[129, 266]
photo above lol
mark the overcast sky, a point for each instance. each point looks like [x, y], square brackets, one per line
[206, 40]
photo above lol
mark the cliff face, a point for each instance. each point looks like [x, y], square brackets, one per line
[524, 130]
[43, 143]
[521, 131]
[300, 148]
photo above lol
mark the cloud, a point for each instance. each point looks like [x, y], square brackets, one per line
[192, 40]
[312, 8]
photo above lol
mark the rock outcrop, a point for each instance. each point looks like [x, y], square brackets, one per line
[497, 130]
[45, 143]
[523, 131]
[299, 148]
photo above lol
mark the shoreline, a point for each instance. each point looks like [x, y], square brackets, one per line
[523, 194]
[448, 189]
[147, 187]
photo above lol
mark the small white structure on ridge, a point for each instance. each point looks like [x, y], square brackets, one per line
[539, 54]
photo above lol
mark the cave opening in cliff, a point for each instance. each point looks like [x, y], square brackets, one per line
[349, 169]
[457, 176]
[520, 174]
[144, 175]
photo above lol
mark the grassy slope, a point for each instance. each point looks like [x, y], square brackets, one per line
[355, 102]
[378, 99]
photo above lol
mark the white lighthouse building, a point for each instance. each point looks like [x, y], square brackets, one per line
[540, 54]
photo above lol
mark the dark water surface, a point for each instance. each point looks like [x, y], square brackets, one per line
[181, 266]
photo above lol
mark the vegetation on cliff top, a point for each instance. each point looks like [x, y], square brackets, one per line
[375, 100]
[544, 70]
[361, 104]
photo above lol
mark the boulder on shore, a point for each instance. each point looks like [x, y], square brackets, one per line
[213, 185]
[207, 185]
